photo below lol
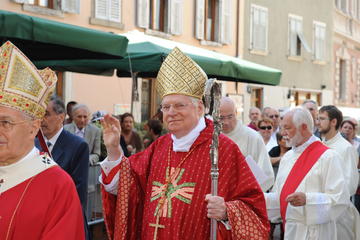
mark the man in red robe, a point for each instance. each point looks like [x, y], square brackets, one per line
[163, 192]
[38, 199]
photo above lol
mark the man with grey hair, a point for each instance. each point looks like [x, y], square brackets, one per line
[89, 132]
[310, 192]
[312, 107]
[70, 152]
[254, 116]
[249, 141]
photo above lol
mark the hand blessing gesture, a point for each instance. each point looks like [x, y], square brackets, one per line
[111, 136]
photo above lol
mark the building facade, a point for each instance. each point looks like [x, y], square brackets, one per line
[295, 37]
[210, 24]
[346, 56]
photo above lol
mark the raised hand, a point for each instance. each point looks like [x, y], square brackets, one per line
[111, 136]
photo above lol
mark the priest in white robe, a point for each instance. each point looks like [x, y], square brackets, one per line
[249, 141]
[310, 192]
[330, 118]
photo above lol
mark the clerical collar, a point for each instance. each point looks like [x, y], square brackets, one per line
[54, 138]
[30, 165]
[302, 147]
[184, 143]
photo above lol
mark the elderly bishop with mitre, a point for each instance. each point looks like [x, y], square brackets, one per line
[38, 199]
[163, 192]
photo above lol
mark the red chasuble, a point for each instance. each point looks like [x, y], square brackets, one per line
[45, 206]
[300, 169]
[131, 214]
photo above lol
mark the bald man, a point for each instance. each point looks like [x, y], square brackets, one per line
[248, 140]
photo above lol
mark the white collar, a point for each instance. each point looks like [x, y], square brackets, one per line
[30, 165]
[302, 147]
[55, 137]
[184, 143]
[333, 139]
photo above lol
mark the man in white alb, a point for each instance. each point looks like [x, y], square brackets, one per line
[310, 192]
[249, 141]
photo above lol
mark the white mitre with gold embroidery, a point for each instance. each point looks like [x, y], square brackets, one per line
[22, 86]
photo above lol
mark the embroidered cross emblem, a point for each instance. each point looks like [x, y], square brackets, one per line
[183, 192]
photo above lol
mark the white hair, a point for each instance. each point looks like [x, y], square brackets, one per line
[80, 106]
[302, 116]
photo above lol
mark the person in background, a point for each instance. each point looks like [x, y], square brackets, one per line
[154, 129]
[69, 107]
[70, 152]
[82, 127]
[330, 118]
[254, 116]
[277, 152]
[248, 140]
[347, 129]
[122, 140]
[266, 127]
[312, 107]
[38, 199]
[132, 138]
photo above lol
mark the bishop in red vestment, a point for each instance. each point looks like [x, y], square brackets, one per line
[38, 200]
[161, 193]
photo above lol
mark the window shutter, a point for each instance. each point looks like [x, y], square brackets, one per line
[225, 29]
[70, 6]
[101, 10]
[143, 9]
[252, 27]
[19, 1]
[115, 10]
[200, 18]
[176, 16]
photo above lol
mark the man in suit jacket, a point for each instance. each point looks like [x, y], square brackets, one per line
[70, 152]
[82, 128]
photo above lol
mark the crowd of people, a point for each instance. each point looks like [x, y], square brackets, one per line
[295, 168]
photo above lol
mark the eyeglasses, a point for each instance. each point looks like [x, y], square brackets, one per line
[266, 127]
[175, 106]
[8, 125]
[274, 116]
[228, 117]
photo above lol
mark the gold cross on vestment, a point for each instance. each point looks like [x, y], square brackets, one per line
[156, 226]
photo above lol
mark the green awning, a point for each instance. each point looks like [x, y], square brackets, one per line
[146, 53]
[48, 42]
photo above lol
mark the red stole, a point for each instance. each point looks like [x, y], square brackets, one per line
[300, 169]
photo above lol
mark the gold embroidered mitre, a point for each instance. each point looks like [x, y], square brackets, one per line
[179, 74]
[22, 86]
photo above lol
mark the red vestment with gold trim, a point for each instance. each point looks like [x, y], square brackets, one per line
[184, 215]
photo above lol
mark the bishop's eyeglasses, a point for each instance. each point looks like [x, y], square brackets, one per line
[175, 106]
[9, 125]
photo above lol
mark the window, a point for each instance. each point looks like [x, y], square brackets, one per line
[258, 28]
[319, 40]
[296, 37]
[108, 10]
[213, 20]
[342, 80]
[69, 6]
[160, 15]
[256, 97]
[344, 6]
